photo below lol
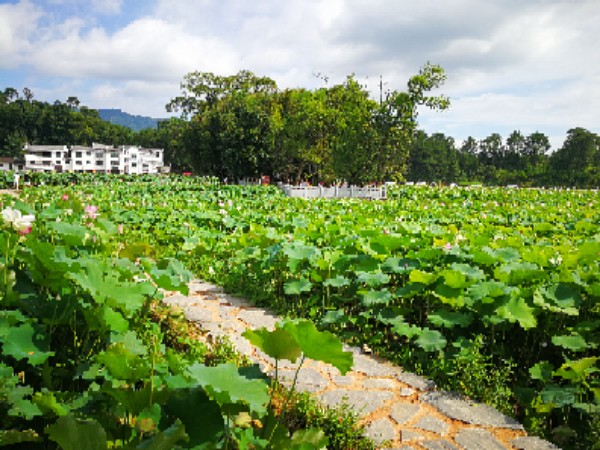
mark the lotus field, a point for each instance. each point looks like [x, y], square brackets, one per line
[489, 291]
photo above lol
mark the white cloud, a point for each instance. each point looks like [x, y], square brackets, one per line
[510, 64]
[147, 49]
[17, 24]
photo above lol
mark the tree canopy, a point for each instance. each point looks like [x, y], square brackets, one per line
[243, 126]
[240, 126]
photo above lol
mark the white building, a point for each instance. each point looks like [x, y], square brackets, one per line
[98, 158]
[9, 163]
[45, 157]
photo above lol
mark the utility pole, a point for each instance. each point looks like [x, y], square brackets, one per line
[380, 90]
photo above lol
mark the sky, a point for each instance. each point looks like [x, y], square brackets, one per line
[526, 65]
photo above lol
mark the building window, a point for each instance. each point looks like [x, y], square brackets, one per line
[99, 162]
[78, 154]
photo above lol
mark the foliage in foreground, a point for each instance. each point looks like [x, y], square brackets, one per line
[89, 360]
[466, 285]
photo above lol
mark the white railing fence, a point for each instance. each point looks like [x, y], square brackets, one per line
[373, 193]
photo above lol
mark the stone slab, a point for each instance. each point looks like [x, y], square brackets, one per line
[433, 424]
[533, 443]
[439, 445]
[403, 412]
[456, 407]
[477, 439]
[381, 430]
[363, 402]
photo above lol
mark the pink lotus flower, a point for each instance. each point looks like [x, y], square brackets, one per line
[65, 197]
[24, 231]
[91, 211]
[19, 222]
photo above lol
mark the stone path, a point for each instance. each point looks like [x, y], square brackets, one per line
[399, 408]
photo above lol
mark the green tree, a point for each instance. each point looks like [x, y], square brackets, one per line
[230, 132]
[433, 158]
[303, 123]
[352, 142]
[577, 162]
[467, 160]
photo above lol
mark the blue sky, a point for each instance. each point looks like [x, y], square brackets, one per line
[511, 64]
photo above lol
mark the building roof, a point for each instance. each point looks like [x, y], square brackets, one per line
[46, 147]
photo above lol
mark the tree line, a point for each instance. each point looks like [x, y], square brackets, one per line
[26, 120]
[243, 126]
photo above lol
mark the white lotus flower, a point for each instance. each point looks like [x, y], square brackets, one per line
[14, 218]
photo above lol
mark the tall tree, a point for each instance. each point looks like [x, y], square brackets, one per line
[577, 162]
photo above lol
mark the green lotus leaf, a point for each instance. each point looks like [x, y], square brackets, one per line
[573, 342]
[372, 279]
[27, 341]
[559, 395]
[399, 265]
[431, 340]
[450, 319]
[74, 434]
[319, 345]
[542, 371]
[455, 279]
[372, 298]
[227, 387]
[517, 310]
[418, 276]
[278, 344]
[297, 287]
[560, 298]
[337, 281]
[578, 370]
[519, 272]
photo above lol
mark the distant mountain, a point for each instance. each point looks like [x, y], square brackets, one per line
[136, 123]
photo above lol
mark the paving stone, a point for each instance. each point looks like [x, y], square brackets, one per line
[240, 343]
[404, 447]
[379, 383]
[257, 318]
[477, 439]
[456, 407]
[433, 424]
[381, 430]
[199, 315]
[409, 436]
[177, 299]
[308, 379]
[201, 287]
[228, 312]
[533, 443]
[371, 367]
[416, 381]
[230, 300]
[233, 325]
[343, 380]
[363, 402]
[406, 392]
[403, 412]
[439, 445]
